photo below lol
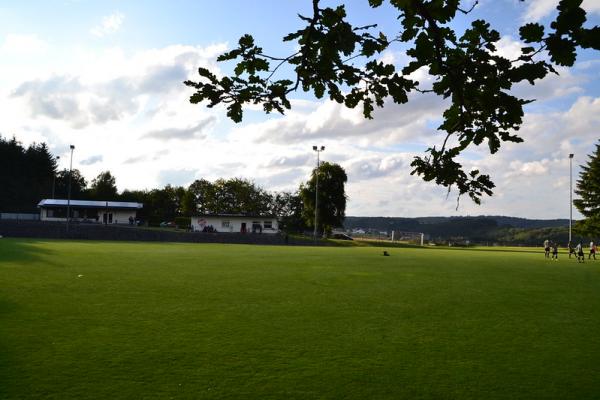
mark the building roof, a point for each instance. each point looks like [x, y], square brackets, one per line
[89, 204]
[233, 216]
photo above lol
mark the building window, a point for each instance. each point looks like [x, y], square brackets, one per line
[268, 224]
[225, 224]
[50, 213]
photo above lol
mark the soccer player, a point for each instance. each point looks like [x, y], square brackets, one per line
[592, 251]
[546, 248]
[555, 251]
[580, 255]
[571, 249]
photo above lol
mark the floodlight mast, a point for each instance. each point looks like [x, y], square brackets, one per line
[318, 150]
[69, 191]
[54, 179]
[570, 195]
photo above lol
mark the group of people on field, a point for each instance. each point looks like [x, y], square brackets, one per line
[551, 250]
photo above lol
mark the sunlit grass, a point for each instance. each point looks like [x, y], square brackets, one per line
[138, 320]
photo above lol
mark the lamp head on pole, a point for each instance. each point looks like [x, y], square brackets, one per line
[322, 148]
[571, 155]
[72, 147]
[315, 148]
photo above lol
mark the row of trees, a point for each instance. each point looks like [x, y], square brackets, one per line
[296, 210]
[29, 174]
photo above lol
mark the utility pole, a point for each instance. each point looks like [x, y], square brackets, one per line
[318, 150]
[570, 195]
[69, 191]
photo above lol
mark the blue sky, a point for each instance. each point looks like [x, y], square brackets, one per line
[106, 76]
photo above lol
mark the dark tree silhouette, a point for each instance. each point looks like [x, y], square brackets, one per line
[26, 175]
[104, 187]
[588, 190]
[332, 197]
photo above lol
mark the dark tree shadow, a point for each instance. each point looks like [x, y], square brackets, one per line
[16, 249]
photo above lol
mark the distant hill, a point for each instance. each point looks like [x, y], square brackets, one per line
[418, 224]
[483, 228]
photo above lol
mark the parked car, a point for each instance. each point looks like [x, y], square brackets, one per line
[166, 224]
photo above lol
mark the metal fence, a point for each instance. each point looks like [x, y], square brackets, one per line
[20, 216]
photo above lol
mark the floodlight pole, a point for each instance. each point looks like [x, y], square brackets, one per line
[318, 150]
[54, 179]
[69, 191]
[570, 194]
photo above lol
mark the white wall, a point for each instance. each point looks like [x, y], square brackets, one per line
[235, 224]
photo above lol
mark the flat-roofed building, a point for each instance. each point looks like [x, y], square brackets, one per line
[104, 212]
[235, 223]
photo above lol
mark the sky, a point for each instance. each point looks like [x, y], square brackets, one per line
[106, 77]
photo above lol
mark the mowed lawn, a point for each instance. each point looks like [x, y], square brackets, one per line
[107, 320]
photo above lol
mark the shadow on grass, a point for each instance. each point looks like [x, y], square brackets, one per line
[21, 250]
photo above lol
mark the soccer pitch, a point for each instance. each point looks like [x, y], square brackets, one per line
[114, 320]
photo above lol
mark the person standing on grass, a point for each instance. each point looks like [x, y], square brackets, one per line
[555, 251]
[592, 251]
[547, 248]
[571, 249]
[580, 255]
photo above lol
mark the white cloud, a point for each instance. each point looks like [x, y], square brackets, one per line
[186, 133]
[92, 96]
[591, 6]
[508, 47]
[23, 44]
[109, 25]
[539, 9]
[391, 124]
[92, 160]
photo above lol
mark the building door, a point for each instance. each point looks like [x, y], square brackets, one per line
[107, 218]
[243, 230]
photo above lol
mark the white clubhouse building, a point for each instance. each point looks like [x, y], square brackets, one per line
[235, 223]
[104, 212]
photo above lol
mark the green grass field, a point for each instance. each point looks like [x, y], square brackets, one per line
[107, 320]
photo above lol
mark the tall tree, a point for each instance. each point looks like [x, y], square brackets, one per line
[334, 57]
[104, 187]
[26, 175]
[203, 193]
[331, 209]
[288, 207]
[588, 190]
[78, 185]
[188, 204]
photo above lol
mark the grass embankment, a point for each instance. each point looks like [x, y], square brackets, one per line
[137, 320]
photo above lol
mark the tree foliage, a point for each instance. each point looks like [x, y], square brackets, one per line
[588, 190]
[343, 62]
[104, 187]
[331, 209]
[230, 196]
[79, 189]
[26, 175]
[289, 208]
